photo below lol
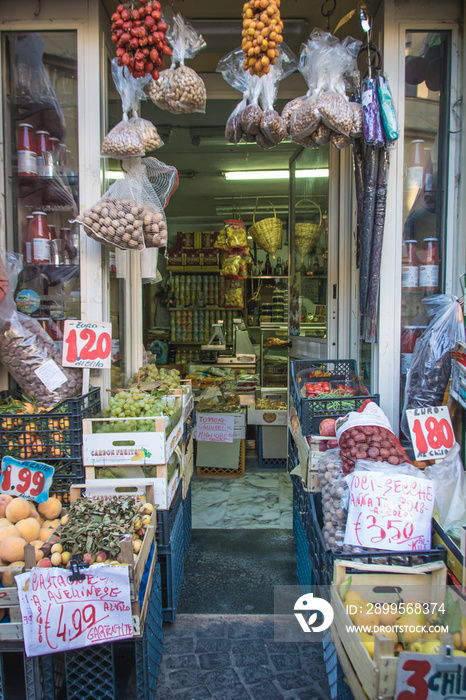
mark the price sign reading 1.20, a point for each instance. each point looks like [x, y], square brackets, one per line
[431, 431]
[26, 478]
[87, 345]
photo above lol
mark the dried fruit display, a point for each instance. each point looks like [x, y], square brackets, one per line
[262, 35]
[139, 34]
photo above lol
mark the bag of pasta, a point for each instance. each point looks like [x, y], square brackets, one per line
[130, 215]
[180, 90]
[125, 139]
[28, 352]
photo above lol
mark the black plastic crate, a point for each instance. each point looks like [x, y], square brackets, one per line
[189, 426]
[268, 462]
[302, 553]
[166, 521]
[339, 688]
[312, 411]
[309, 506]
[172, 570]
[292, 453]
[50, 436]
[187, 519]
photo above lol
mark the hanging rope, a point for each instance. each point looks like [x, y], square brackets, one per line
[329, 12]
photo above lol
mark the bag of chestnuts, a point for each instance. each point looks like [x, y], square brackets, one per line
[130, 215]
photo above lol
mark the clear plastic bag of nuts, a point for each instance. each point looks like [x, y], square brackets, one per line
[150, 136]
[28, 352]
[130, 215]
[125, 140]
[179, 89]
[272, 126]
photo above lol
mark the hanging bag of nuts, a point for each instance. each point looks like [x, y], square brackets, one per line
[130, 215]
[125, 139]
[180, 90]
[28, 352]
[272, 127]
[150, 136]
[231, 68]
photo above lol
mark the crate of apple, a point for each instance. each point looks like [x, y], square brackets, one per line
[140, 37]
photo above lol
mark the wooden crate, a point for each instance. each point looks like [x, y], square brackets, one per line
[139, 448]
[218, 471]
[188, 464]
[376, 678]
[13, 631]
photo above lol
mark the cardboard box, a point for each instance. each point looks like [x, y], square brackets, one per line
[269, 417]
[193, 258]
[176, 258]
[209, 258]
[185, 240]
[455, 553]
[224, 455]
[274, 442]
[208, 239]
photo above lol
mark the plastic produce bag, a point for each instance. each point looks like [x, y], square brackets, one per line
[272, 127]
[231, 68]
[367, 434]
[333, 487]
[125, 139]
[328, 66]
[449, 478]
[372, 120]
[180, 90]
[430, 369]
[150, 135]
[28, 352]
[130, 215]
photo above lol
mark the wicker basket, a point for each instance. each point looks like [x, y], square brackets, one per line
[306, 235]
[267, 233]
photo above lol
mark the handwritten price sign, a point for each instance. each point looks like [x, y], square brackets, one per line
[215, 427]
[430, 677]
[26, 478]
[431, 431]
[59, 615]
[87, 345]
[389, 512]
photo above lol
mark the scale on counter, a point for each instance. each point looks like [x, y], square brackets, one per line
[243, 351]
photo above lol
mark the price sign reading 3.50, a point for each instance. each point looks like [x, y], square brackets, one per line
[87, 345]
[431, 431]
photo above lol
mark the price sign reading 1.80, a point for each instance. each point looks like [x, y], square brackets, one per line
[26, 478]
[87, 345]
[431, 431]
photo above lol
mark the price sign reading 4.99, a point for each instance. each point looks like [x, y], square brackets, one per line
[87, 345]
[26, 478]
[431, 431]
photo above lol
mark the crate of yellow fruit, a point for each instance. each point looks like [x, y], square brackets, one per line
[395, 608]
[30, 432]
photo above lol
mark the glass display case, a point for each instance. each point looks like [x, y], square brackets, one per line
[274, 354]
[40, 121]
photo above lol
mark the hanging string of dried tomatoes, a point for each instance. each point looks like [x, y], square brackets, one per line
[262, 34]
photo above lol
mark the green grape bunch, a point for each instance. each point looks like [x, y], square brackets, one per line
[167, 379]
[135, 403]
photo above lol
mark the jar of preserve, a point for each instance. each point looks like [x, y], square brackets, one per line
[52, 232]
[429, 267]
[410, 269]
[28, 240]
[409, 335]
[44, 167]
[27, 157]
[415, 174]
[40, 239]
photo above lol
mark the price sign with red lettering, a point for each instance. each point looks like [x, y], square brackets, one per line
[389, 511]
[430, 677]
[25, 478]
[431, 431]
[87, 345]
[59, 614]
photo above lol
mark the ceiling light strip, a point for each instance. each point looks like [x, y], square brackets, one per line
[273, 174]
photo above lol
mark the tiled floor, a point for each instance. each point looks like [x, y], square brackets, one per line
[260, 499]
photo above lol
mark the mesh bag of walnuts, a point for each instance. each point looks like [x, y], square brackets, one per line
[180, 90]
[130, 215]
[25, 349]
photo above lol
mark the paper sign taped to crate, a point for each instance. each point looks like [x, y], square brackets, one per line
[87, 345]
[389, 512]
[431, 431]
[59, 614]
[435, 676]
[215, 427]
[26, 478]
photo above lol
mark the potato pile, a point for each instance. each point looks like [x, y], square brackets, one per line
[125, 224]
[262, 34]
[370, 442]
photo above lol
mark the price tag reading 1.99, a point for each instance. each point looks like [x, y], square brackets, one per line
[431, 431]
[87, 345]
[25, 478]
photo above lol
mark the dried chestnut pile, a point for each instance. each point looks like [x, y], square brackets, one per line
[140, 37]
[262, 34]
[370, 442]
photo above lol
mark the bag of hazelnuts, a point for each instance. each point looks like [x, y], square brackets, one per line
[180, 90]
[130, 215]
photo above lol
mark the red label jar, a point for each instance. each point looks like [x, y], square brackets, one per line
[27, 157]
[410, 269]
[429, 267]
[40, 239]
